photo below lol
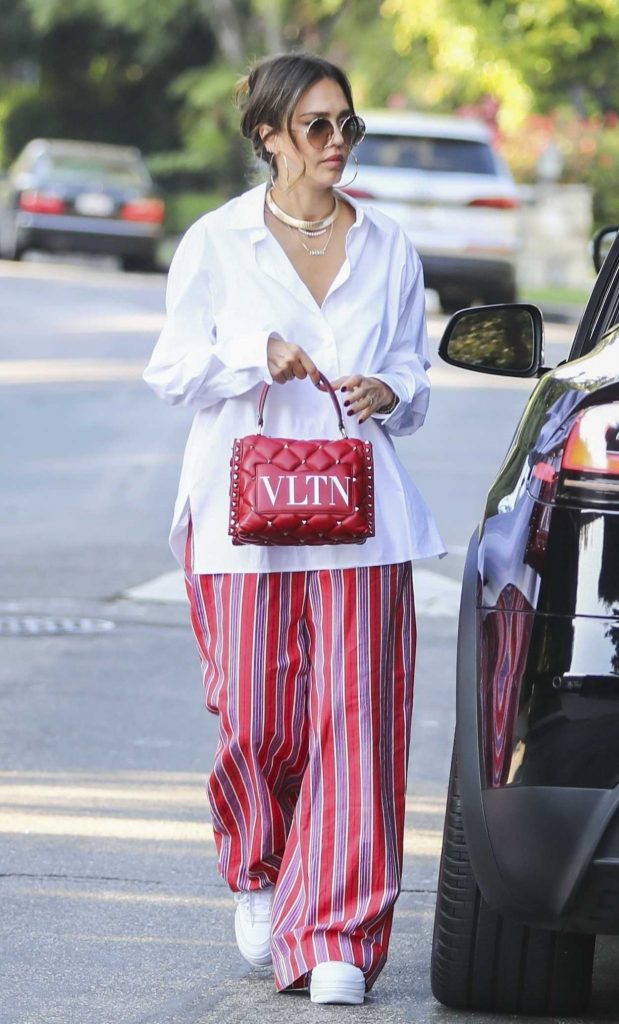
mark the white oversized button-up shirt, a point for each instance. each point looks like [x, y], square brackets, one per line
[230, 287]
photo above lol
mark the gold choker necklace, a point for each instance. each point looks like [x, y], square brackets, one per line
[306, 227]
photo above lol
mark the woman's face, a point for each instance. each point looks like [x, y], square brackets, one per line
[323, 167]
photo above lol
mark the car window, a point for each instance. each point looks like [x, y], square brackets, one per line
[22, 163]
[75, 168]
[457, 156]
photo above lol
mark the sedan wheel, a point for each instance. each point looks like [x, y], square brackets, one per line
[452, 299]
[10, 249]
[146, 264]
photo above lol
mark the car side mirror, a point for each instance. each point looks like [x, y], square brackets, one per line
[506, 339]
[601, 245]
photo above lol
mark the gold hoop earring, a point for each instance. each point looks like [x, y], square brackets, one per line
[289, 186]
[271, 162]
[348, 183]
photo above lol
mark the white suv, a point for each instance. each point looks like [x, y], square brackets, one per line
[440, 178]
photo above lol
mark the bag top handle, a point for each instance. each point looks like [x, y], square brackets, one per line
[324, 385]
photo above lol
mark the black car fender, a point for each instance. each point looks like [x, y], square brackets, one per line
[504, 853]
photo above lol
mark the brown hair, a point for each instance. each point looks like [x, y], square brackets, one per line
[270, 92]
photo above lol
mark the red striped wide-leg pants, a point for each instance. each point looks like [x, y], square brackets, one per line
[311, 674]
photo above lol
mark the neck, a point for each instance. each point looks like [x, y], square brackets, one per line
[305, 203]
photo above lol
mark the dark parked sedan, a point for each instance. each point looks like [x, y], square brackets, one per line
[530, 864]
[64, 196]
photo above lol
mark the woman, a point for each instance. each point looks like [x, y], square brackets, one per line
[307, 654]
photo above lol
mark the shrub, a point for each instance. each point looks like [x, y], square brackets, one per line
[588, 149]
[183, 208]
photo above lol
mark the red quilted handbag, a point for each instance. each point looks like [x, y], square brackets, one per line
[289, 491]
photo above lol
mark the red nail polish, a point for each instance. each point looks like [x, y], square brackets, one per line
[346, 403]
[343, 387]
[350, 413]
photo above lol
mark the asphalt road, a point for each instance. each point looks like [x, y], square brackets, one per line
[112, 908]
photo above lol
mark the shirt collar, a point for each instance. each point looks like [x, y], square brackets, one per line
[248, 211]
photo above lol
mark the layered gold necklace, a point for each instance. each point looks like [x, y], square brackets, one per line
[310, 228]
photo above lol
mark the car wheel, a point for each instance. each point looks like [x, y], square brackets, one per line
[508, 293]
[143, 264]
[10, 248]
[486, 962]
[452, 300]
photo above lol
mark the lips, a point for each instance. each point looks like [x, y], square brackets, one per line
[337, 161]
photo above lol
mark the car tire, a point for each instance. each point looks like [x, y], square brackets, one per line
[485, 962]
[508, 293]
[140, 264]
[451, 300]
[10, 248]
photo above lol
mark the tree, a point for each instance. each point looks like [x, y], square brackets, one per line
[530, 55]
[91, 83]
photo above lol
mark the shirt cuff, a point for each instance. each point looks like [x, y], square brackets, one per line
[249, 351]
[384, 417]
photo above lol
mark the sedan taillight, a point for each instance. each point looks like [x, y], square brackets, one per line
[496, 203]
[590, 462]
[149, 211]
[33, 201]
[585, 470]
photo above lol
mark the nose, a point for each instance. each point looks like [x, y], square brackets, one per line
[337, 139]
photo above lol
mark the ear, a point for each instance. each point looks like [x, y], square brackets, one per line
[265, 132]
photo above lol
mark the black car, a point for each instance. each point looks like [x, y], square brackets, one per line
[530, 863]
[66, 196]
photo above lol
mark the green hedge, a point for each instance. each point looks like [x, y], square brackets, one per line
[183, 208]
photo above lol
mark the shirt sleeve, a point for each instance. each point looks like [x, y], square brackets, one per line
[192, 364]
[406, 361]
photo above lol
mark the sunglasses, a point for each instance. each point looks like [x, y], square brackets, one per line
[319, 132]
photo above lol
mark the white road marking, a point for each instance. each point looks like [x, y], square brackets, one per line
[86, 371]
[69, 371]
[105, 275]
[436, 596]
[117, 323]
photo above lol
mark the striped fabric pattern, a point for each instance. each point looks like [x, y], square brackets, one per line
[311, 674]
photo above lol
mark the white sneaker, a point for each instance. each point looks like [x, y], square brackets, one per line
[337, 982]
[252, 925]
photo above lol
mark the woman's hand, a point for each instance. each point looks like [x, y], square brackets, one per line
[364, 395]
[286, 361]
